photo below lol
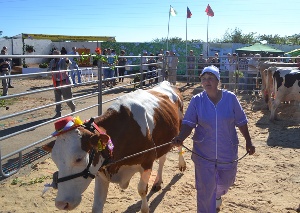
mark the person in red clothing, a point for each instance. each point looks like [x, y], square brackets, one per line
[60, 80]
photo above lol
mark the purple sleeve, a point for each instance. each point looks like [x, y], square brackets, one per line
[239, 114]
[191, 117]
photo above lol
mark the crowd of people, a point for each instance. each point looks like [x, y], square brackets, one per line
[155, 67]
[159, 67]
[232, 66]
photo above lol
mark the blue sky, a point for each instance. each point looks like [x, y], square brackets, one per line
[142, 21]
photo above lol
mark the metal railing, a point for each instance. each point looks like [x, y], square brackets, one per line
[24, 133]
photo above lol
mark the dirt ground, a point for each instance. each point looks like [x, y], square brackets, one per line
[269, 181]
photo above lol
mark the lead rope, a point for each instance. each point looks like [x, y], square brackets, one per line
[154, 148]
[216, 161]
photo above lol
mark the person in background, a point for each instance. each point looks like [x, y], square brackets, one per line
[110, 71]
[191, 61]
[145, 66]
[173, 68]
[243, 67]
[215, 60]
[160, 68]
[122, 62]
[214, 114]
[161, 51]
[4, 71]
[167, 65]
[74, 66]
[232, 69]
[152, 68]
[279, 60]
[227, 66]
[9, 60]
[253, 72]
[202, 62]
[116, 73]
[61, 79]
[63, 51]
[271, 58]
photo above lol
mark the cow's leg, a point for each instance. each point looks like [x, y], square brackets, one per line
[100, 194]
[143, 189]
[158, 180]
[274, 106]
[125, 174]
[181, 161]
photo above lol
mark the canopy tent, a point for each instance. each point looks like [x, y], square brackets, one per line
[260, 48]
[293, 53]
[62, 38]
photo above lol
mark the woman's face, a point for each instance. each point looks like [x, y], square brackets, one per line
[209, 81]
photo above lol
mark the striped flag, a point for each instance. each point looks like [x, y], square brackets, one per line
[172, 11]
[209, 11]
[188, 13]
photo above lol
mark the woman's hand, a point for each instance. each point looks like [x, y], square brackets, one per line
[250, 148]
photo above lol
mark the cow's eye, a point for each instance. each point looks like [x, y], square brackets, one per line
[78, 160]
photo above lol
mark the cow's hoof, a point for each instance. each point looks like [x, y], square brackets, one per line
[182, 168]
[156, 188]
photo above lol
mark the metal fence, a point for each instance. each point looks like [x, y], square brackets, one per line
[23, 132]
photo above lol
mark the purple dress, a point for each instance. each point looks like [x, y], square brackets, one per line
[215, 138]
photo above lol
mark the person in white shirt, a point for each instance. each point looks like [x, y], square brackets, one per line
[253, 71]
[173, 68]
[74, 66]
[145, 66]
[160, 67]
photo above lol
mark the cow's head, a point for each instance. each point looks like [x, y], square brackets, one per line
[78, 152]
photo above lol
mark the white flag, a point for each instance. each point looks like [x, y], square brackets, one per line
[172, 11]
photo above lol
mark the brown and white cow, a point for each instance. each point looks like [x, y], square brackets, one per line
[282, 84]
[263, 65]
[137, 121]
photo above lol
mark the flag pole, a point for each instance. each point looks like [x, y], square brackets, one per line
[168, 28]
[207, 37]
[186, 36]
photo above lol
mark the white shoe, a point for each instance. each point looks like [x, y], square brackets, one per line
[218, 203]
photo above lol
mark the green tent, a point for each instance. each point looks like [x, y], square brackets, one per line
[293, 53]
[263, 49]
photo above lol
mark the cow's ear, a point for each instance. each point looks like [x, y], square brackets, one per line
[104, 138]
[48, 147]
[99, 141]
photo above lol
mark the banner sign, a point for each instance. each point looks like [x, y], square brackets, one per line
[68, 38]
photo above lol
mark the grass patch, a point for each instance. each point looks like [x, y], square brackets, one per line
[6, 102]
[31, 182]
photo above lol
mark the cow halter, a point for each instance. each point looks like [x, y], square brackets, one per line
[91, 126]
[85, 173]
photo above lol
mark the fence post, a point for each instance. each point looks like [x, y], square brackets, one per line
[100, 87]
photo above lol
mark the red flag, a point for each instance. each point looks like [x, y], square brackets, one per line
[188, 13]
[209, 11]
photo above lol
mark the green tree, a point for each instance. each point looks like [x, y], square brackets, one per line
[276, 39]
[236, 36]
[293, 39]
